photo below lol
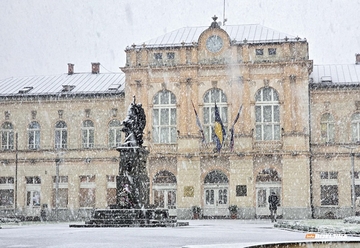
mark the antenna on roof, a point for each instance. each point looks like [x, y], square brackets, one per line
[224, 19]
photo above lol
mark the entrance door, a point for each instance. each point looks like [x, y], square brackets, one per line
[262, 193]
[216, 192]
[216, 201]
[165, 198]
[164, 188]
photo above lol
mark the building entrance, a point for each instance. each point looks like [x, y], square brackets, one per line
[267, 181]
[216, 196]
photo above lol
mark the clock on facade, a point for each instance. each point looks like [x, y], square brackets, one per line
[214, 43]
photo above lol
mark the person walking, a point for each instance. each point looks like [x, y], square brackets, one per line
[273, 204]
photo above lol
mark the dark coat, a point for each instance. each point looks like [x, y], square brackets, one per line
[273, 202]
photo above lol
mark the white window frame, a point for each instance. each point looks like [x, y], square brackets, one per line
[327, 128]
[355, 127]
[7, 136]
[210, 97]
[114, 133]
[164, 118]
[60, 132]
[267, 129]
[33, 188]
[34, 135]
[88, 134]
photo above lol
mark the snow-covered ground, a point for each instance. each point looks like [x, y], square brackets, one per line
[349, 226]
[200, 233]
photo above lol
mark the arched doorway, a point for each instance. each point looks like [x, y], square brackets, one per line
[164, 189]
[267, 181]
[216, 194]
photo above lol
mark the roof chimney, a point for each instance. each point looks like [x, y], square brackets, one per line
[70, 69]
[95, 68]
[357, 60]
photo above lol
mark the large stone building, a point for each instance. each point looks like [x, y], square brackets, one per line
[293, 136]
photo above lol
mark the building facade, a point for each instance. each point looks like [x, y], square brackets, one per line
[297, 133]
[58, 139]
[264, 71]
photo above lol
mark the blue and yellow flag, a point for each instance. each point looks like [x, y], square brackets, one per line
[219, 130]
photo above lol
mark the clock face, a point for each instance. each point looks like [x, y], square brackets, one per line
[214, 43]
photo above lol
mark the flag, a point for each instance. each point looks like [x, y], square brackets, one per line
[198, 123]
[219, 130]
[232, 130]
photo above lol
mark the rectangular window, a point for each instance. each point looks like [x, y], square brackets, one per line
[188, 57]
[33, 198]
[6, 197]
[87, 191]
[170, 55]
[62, 192]
[272, 51]
[62, 198]
[329, 195]
[259, 51]
[111, 190]
[33, 180]
[6, 191]
[157, 56]
[7, 140]
[87, 197]
[171, 199]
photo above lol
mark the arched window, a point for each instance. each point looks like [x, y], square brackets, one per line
[355, 127]
[164, 118]
[268, 175]
[210, 97]
[267, 115]
[7, 136]
[216, 177]
[87, 131]
[60, 135]
[327, 128]
[164, 177]
[34, 135]
[114, 133]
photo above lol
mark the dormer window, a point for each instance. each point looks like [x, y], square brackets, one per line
[67, 88]
[114, 87]
[25, 90]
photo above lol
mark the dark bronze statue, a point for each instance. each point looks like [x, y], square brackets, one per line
[134, 125]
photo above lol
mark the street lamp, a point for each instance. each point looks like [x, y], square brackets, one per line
[352, 154]
[57, 161]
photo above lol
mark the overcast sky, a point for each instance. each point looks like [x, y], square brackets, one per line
[40, 37]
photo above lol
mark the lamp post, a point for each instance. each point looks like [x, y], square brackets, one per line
[57, 162]
[353, 196]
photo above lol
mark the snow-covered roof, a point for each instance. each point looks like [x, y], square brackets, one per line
[249, 33]
[335, 75]
[74, 84]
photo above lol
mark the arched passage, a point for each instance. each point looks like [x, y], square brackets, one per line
[164, 189]
[216, 194]
[267, 181]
